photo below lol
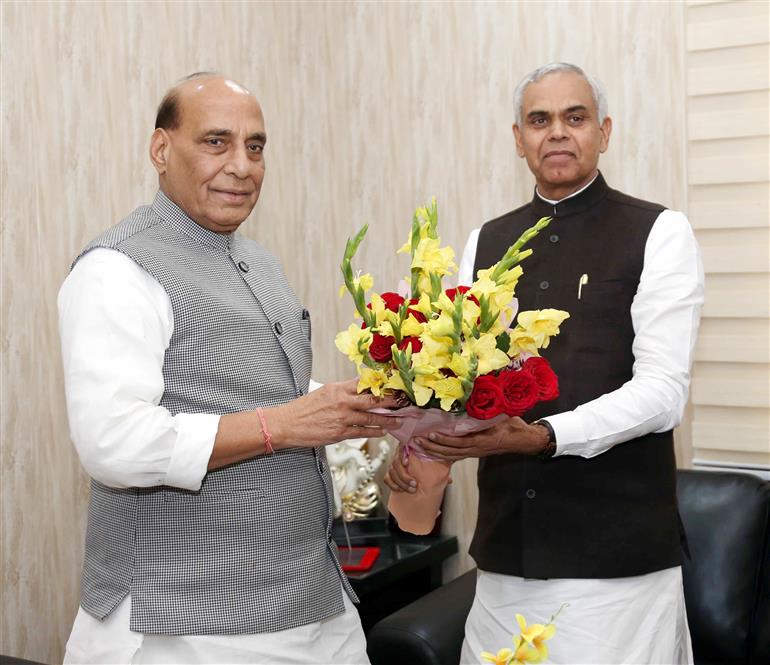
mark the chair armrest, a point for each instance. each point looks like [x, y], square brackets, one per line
[429, 631]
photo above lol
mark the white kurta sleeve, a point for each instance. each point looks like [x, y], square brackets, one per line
[665, 314]
[115, 323]
[465, 274]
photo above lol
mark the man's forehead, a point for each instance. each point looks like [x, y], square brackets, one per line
[214, 101]
[558, 91]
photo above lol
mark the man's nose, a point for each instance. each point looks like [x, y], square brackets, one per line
[558, 130]
[238, 163]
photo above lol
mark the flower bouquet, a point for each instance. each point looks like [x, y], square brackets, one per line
[455, 353]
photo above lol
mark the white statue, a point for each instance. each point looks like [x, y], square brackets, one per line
[355, 492]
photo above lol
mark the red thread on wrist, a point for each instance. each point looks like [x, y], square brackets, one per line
[265, 432]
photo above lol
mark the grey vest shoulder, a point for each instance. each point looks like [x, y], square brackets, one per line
[251, 550]
[533, 514]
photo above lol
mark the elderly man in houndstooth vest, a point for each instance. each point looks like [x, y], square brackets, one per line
[578, 506]
[187, 361]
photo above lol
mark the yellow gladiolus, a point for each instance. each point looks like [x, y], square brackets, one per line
[448, 389]
[429, 257]
[365, 281]
[348, 341]
[459, 366]
[536, 636]
[372, 379]
[485, 349]
[434, 352]
[522, 342]
[411, 327]
[541, 324]
[443, 326]
[502, 657]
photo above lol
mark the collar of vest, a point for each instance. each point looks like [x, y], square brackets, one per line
[169, 211]
[573, 205]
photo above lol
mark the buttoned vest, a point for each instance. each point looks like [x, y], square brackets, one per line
[613, 515]
[251, 551]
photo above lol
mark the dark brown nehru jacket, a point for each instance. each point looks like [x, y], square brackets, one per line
[614, 515]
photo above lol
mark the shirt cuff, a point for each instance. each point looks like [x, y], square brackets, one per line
[570, 435]
[189, 462]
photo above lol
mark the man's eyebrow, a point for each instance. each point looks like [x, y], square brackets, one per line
[578, 107]
[217, 132]
[226, 133]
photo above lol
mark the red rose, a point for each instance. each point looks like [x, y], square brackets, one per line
[547, 381]
[519, 389]
[486, 400]
[392, 300]
[379, 349]
[451, 293]
[414, 342]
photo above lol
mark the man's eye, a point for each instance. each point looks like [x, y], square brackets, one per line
[538, 122]
[257, 148]
[576, 118]
[215, 142]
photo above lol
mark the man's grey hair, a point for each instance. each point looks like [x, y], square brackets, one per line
[597, 87]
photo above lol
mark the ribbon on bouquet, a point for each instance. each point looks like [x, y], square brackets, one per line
[416, 512]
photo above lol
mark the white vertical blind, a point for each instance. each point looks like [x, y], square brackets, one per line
[728, 126]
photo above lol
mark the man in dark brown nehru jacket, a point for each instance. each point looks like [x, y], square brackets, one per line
[578, 505]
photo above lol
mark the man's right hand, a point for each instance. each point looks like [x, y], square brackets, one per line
[331, 413]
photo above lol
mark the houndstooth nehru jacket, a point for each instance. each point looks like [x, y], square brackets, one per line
[251, 551]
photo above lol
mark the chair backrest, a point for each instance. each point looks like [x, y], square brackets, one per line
[725, 517]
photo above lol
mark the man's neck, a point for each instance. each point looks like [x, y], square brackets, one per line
[555, 195]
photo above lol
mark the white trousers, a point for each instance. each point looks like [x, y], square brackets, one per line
[620, 621]
[334, 641]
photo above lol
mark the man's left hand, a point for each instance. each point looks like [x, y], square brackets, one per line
[512, 436]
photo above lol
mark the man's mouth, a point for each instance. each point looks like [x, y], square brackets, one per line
[233, 195]
[559, 154]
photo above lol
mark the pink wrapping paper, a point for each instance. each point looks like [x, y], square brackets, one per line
[417, 512]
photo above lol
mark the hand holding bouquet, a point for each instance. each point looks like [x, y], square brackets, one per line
[452, 353]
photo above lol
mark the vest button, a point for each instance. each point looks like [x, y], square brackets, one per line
[544, 285]
[553, 237]
[531, 494]
[278, 328]
[244, 267]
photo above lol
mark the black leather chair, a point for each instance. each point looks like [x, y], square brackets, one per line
[726, 580]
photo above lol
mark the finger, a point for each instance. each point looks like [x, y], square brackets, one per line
[401, 479]
[393, 485]
[459, 442]
[367, 419]
[448, 453]
[362, 432]
[401, 471]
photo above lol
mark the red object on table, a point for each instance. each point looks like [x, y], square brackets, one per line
[358, 559]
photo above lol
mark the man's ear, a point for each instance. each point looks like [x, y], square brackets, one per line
[517, 136]
[160, 145]
[606, 130]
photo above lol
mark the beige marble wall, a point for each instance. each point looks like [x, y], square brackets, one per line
[371, 108]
